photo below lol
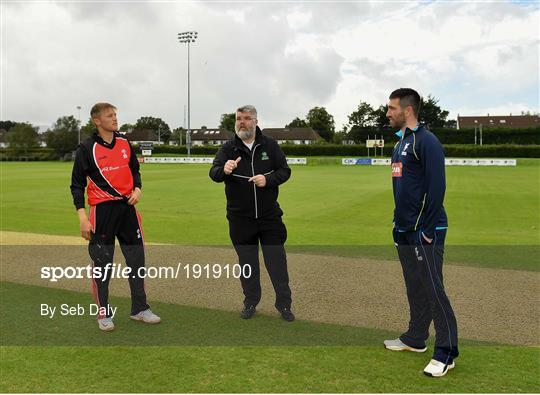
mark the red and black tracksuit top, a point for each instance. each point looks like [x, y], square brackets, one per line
[108, 171]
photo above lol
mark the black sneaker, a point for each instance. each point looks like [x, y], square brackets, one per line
[247, 312]
[287, 314]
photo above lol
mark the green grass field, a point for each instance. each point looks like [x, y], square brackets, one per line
[323, 205]
[494, 218]
[202, 350]
[493, 212]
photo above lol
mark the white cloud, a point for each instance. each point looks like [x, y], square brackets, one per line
[284, 58]
[298, 20]
[502, 109]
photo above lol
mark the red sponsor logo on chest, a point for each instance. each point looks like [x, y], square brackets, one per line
[397, 169]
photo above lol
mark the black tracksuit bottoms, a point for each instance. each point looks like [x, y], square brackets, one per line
[422, 270]
[246, 233]
[110, 220]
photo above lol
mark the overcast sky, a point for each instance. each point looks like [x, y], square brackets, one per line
[283, 57]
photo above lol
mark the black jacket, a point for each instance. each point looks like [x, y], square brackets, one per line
[244, 199]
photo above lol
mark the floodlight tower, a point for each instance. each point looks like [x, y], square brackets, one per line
[188, 38]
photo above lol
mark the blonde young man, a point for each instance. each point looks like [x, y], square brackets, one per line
[107, 167]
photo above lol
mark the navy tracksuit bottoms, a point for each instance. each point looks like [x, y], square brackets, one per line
[422, 270]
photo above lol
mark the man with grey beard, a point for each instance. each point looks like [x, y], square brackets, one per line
[253, 166]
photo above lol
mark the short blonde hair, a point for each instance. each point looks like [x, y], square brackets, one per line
[98, 107]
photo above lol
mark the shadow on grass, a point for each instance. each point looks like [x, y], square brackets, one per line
[23, 325]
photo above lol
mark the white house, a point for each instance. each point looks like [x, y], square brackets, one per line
[138, 136]
[296, 136]
[205, 136]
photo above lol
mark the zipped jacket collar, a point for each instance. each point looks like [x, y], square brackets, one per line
[100, 140]
[408, 131]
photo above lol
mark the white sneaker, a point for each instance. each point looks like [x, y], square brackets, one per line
[146, 316]
[437, 369]
[106, 324]
[398, 345]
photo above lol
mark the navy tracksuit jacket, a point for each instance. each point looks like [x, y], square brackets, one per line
[418, 179]
[419, 182]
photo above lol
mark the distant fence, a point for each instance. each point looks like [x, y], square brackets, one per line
[452, 150]
[448, 162]
[208, 160]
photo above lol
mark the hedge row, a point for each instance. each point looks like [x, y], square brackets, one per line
[465, 136]
[492, 151]
[33, 154]
[452, 150]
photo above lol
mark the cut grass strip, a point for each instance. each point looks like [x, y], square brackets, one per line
[202, 350]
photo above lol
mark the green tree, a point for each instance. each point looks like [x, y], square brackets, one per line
[431, 114]
[179, 136]
[6, 125]
[22, 136]
[297, 123]
[88, 130]
[379, 118]
[228, 121]
[126, 128]
[63, 136]
[157, 125]
[363, 116]
[322, 122]
[340, 135]
[451, 123]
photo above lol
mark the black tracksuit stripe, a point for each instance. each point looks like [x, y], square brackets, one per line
[100, 180]
[105, 187]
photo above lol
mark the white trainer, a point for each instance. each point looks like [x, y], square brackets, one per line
[146, 316]
[398, 345]
[438, 369]
[106, 324]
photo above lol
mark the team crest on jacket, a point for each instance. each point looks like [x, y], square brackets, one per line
[404, 152]
[124, 154]
[264, 156]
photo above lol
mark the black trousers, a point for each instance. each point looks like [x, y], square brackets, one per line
[422, 270]
[246, 233]
[110, 220]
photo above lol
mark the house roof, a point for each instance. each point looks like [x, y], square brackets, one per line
[142, 135]
[507, 121]
[205, 134]
[292, 134]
